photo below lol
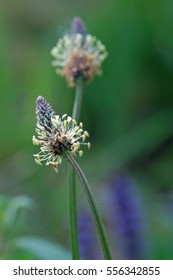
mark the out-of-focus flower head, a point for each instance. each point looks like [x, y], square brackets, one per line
[88, 244]
[78, 55]
[126, 217]
[57, 135]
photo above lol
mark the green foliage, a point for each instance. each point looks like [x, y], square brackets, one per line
[42, 249]
[23, 247]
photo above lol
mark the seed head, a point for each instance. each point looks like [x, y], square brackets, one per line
[78, 55]
[57, 136]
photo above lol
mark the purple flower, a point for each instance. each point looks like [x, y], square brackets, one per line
[88, 241]
[126, 218]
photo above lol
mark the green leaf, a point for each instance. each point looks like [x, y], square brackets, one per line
[42, 249]
[16, 203]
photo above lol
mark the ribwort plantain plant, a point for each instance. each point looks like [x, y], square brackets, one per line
[78, 57]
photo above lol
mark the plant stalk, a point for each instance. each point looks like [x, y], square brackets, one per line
[72, 183]
[77, 102]
[94, 210]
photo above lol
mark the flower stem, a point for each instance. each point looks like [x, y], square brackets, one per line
[77, 102]
[73, 216]
[94, 210]
[72, 184]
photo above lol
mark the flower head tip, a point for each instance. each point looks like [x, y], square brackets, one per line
[78, 26]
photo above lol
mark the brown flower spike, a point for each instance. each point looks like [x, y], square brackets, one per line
[78, 55]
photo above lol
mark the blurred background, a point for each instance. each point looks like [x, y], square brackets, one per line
[128, 112]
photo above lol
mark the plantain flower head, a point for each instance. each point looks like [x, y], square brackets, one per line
[57, 136]
[78, 55]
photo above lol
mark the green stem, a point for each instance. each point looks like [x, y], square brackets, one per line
[94, 210]
[72, 184]
[73, 216]
[77, 102]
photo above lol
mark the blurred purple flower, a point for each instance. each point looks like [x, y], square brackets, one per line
[88, 241]
[126, 218]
